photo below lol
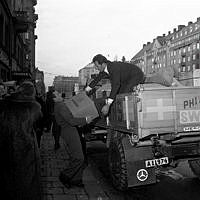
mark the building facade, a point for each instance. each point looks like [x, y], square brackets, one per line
[17, 39]
[39, 82]
[179, 49]
[66, 84]
[86, 73]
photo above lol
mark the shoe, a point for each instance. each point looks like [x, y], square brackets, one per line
[64, 180]
[77, 183]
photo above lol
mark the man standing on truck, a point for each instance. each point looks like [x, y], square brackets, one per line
[123, 77]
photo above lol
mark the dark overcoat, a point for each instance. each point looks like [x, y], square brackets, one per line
[19, 154]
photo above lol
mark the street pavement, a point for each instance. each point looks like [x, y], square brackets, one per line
[97, 178]
[52, 162]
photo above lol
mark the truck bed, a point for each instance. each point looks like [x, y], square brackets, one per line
[157, 110]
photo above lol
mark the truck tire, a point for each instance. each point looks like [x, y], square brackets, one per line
[195, 166]
[117, 163]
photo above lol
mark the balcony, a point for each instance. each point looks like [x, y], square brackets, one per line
[183, 54]
[21, 21]
[23, 74]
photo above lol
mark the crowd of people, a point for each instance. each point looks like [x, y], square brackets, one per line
[25, 116]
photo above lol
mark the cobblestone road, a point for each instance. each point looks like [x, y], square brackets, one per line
[52, 162]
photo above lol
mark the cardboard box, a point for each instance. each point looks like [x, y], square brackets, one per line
[82, 106]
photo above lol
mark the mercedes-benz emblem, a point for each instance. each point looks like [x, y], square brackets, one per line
[142, 175]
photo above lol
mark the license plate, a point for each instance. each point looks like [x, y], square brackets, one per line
[157, 162]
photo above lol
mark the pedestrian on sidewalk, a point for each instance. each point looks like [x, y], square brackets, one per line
[72, 174]
[40, 122]
[56, 128]
[49, 108]
[56, 131]
[20, 160]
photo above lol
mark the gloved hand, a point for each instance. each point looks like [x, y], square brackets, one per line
[105, 109]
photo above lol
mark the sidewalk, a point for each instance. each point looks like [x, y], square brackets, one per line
[52, 163]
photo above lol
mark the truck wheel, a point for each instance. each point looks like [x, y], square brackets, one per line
[195, 166]
[117, 163]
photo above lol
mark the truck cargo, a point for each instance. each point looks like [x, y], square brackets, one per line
[149, 130]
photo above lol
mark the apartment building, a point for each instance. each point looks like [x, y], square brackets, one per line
[86, 73]
[178, 49]
[65, 84]
[17, 39]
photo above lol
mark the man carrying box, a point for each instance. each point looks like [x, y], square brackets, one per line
[72, 174]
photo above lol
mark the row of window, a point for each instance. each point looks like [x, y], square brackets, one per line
[189, 48]
[181, 68]
[188, 68]
[186, 40]
[186, 31]
[16, 47]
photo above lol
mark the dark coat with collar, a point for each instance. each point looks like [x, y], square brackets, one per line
[20, 161]
[123, 77]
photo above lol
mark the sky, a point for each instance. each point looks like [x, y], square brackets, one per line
[71, 32]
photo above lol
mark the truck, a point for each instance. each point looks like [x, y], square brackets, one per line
[152, 129]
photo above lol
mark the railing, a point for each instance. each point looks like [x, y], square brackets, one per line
[21, 21]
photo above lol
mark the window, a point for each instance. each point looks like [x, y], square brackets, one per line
[193, 67]
[183, 69]
[184, 50]
[194, 46]
[188, 68]
[179, 60]
[1, 28]
[198, 45]
[189, 59]
[26, 35]
[185, 32]
[189, 48]
[193, 56]
[7, 38]
[183, 59]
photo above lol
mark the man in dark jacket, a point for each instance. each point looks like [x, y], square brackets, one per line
[123, 77]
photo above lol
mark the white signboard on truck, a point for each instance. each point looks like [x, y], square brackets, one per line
[196, 77]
